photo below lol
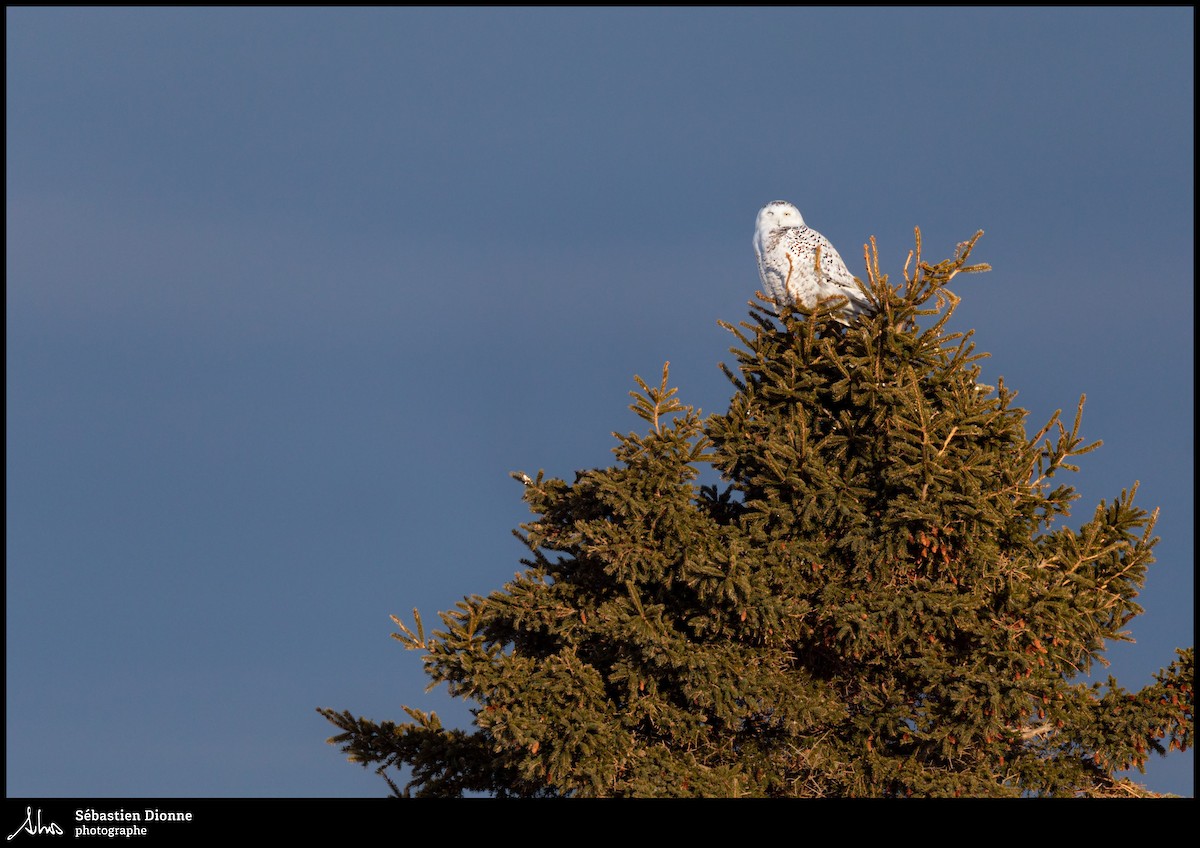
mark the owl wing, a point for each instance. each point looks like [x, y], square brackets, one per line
[835, 278]
[797, 258]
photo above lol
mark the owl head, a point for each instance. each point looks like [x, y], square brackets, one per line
[776, 214]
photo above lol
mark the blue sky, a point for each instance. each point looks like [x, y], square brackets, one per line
[291, 292]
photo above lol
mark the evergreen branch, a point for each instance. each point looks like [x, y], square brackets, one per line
[652, 404]
[411, 640]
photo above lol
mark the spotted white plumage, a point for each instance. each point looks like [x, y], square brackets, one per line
[798, 265]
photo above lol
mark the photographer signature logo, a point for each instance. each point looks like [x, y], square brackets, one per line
[35, 829]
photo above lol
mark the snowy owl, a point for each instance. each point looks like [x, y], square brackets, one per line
[788, 255]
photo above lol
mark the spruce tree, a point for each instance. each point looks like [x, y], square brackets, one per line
[881, 597]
